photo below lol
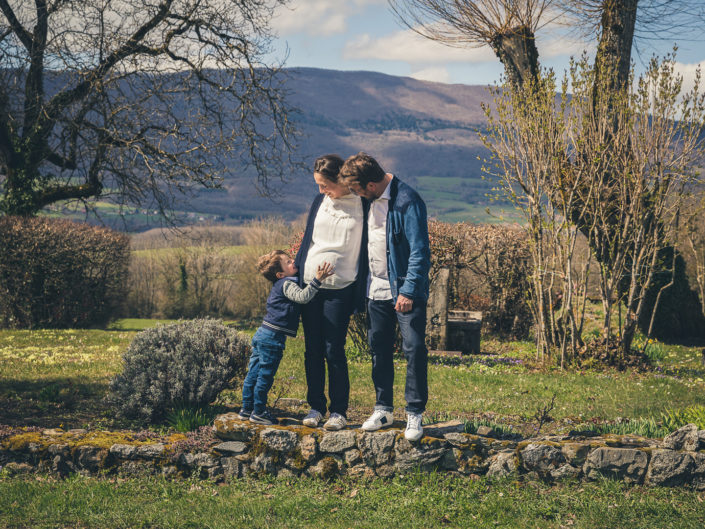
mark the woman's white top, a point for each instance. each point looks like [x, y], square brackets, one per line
[337, 237]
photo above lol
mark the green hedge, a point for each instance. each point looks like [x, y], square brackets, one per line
[60, 274]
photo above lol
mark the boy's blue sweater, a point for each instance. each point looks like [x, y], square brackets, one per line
[282, 313]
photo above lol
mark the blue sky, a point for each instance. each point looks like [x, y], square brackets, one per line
[365, 35]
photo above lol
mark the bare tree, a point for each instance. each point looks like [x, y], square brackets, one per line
[614, 23]
[529, 138]
[138, 100]
[630, 165]
[507, 26]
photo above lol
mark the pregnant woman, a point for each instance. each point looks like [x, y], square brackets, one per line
[336, 233]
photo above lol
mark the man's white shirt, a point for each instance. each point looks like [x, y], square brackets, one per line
[377, 247]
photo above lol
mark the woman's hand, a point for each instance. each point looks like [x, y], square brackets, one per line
[324, 270]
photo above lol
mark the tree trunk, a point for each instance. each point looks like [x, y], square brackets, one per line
[516, 49]
[19, 198]
[614, 52]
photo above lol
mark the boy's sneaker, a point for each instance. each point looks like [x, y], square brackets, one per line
[378, 419]
[313, 418]
[244, 414]
[335, 422]
[265, 418]
[414, 430]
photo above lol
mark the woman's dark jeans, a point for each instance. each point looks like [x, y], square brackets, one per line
[325, 321]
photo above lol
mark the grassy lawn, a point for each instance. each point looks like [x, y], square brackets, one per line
[409, 501]
[458, 199]
[59, 378]
[52, 378]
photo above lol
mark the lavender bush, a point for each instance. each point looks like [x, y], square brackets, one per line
[186, 363]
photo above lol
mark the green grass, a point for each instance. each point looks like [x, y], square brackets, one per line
[53, 377]
[471, 426]
[59, 378]
[136, 324]
[187, 418]
[458, 199]
[110, 211]
[464, 391]
[415, 501]
[643, 427]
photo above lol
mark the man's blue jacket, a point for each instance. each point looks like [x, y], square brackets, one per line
[408, 249]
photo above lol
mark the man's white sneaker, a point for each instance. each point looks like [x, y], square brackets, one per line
[335, 422]
[378, 419]
[414, 431]
[313, 418]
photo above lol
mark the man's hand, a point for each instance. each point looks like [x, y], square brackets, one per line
[404, 304]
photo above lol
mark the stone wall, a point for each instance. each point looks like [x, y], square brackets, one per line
[294, 450]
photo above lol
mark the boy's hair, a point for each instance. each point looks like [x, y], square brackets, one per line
[271, 264]
[361, 169]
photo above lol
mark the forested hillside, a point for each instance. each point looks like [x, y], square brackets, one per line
[424, 132]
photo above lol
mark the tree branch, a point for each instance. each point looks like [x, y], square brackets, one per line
[17, 28]
[55, 193]
[60, 161]
[65, 98]
[6, 145]
[5, 33]
[34, 84]
[92, 188]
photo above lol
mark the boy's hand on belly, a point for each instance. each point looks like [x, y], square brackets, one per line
[324, 270]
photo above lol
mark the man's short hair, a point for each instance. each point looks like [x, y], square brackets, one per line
[361, 169]
[270, 264]
[329, 166]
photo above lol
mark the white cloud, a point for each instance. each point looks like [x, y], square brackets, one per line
[435, 74]
[411, 47]
[559, 45]
[688, 72]
[564, 34]
[317, 17]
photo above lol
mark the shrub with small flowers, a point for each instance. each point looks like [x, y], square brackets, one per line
[184, 364]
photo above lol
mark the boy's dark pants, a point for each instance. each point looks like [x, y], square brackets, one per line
[325, 320]
[382, 326]
[267, 352]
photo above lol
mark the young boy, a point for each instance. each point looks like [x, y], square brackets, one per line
[282, 320]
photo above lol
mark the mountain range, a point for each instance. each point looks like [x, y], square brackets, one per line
[424, 132]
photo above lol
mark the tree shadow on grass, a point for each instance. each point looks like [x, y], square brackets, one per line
[67, 402]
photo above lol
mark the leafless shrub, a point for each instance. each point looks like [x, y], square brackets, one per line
[489, 267]
[198, 272]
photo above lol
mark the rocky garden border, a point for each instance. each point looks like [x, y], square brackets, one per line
[292, 450]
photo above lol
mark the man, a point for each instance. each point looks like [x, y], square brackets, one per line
[400, 258]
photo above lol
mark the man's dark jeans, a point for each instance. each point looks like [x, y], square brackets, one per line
[412, 324]
[325, 319]
[267, 352]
